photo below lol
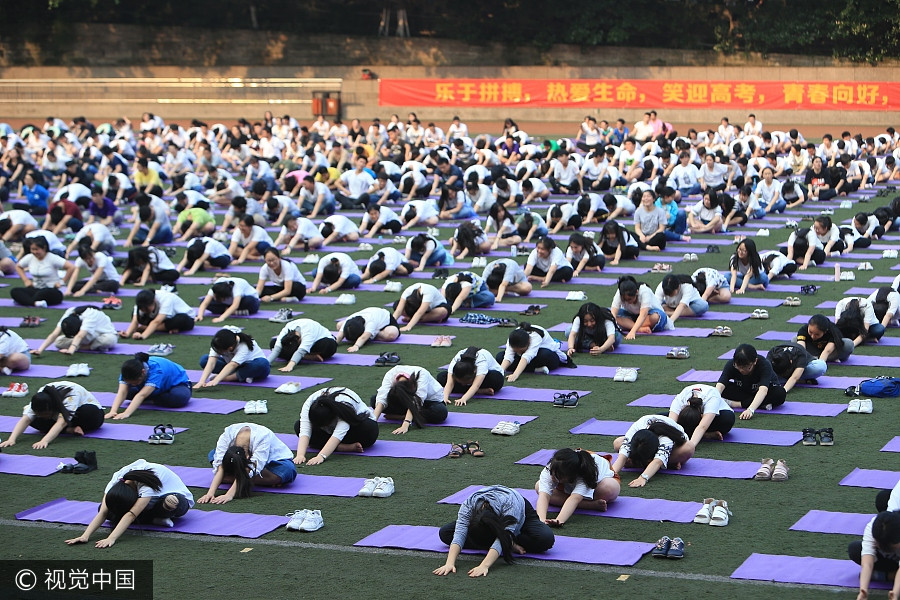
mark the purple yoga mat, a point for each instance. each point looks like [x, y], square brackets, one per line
[717, 315]
[476, 420]
[568, 549]
[872, 478]
[696, 467]
[207, 522]
[624, 507]
[892, 446]
[120, 348]
[826, 382]
[27, 464]
[211, 406]
[804, 409]
[756, 302]
[504, 306]
[808, 570]
[528, 394]
[855, 360]
[387, 448]
[272, 381]
[787, 336]
[879, 279]
[688, 332]
[828, 305]
[123, 432]
[860, 291]
[313, 485]
[587, 371]
[823, 521]
[8, 302]
[766, 437]
[413, 339]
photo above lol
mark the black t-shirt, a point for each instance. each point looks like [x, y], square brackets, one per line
[798, 358]
[762, 374]
[815, 347]
[819, 179]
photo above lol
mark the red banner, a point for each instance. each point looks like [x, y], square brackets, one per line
[640, 93]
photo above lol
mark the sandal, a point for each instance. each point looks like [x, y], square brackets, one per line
[167, 436]
[157, 434]
[474, 449]
[722, 331]
[713, 249]
[809, 290]
[387, 359]
[531, 311]
[457, 450]
[809, 436]
[720, 514]
[559, 399]
[704, 515]
[826, 437]
[682, 353]
[30, 322]
[765, 471]
[508, 323]
[781, 471]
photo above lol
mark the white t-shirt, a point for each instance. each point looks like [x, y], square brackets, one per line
[700, 211]
[357, 184]
[347, 264]
[666, 445]
[428, 390]
[44, 272]
[341, 224]
[94, 321]
[11, 342]
[425, 209]
[536, 341]
[214, 247]
[289, 272]
[864, 306]
[265, 447]
[712, 400]
[685, 176]
[77, 397]
[241, 287]
[98, 231]
[170, 304]
[713, 278]
[556, 258]
[242, 354]
[430, 294]
[484, 362]
[513, 273]
[375, 319]
[868, 542]
[257, 234]
[385, 215]
[340, 427]
[310, 332]
[171, 483]
[645, 299]
[392, 258]
[52, 241]
[685, 294]
[547, 483]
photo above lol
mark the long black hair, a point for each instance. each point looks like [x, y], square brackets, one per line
[881, 304]
[223, 290]
[495, 277]
[485, 526]
[378, 264]
[71, 325]
[403, 392]
[326, 408]
[464, 370]
[567, 465]
[420, 241]
[467, 235]
[51, 399]
[332, 271]
[121, 497]
[645, 443]
[520, 336]
[235, 462]
[133, 368]
[454, 289]
[354, 327]
[226, 339]
[691, 414]
[195, 250]
[752, 257]
[411, 306]
[587, 245]
[672, 282]
[851, 321]
[601, 314]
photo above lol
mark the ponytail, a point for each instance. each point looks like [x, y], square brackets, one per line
[236, 463]
[464, 370]
[403, 392]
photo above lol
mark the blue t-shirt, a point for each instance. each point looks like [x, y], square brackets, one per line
[37, 196]
[671, 210]
[162, 374]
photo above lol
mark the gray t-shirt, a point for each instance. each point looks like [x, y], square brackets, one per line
[650, 221]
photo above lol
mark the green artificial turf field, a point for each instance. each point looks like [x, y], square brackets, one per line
[324, 564]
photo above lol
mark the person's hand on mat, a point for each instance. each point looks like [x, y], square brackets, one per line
[299, 460]
[802, 267]
[544, 283]
[223, 499]
[637, 482]
[596, 351]
[105, 543]
[198, 318]
[315, 460]
[7, 443]
[79, 540]
[355, 348]
[740, 291]
[238, 261]
[570, 352]
[406, 328]
[553, 523]
[630, 335]
[110, 415]
[205, 498]
[511, 378]
[69, 350]
[613, 262]
[459, 402]
[218, 319]
[39, 445]
[137, 335]
[445, 570]
[746, 415]
[324, 290]
[402, 429]
[478, 571]
[266, 298]
[35, 352]
[120, 416]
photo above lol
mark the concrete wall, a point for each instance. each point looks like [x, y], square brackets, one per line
[89, 52]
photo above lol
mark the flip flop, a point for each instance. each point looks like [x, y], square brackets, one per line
[457, 450]
[508, 323]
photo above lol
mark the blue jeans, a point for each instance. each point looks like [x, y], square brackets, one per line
[256, 369]
[698, 306]
[815, 369]
[876, 331]
[660, 325]
[690, 191]
[483, 297]
[163, 236]
[284, 469]
[780, 205]
[248, 303]
[761, 279]
[352, 282]
[674, 231]
[466, 212]
[175, 397]
[438, 258]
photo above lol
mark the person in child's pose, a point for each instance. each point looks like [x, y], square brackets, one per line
[233, 356]
[229, 296]
[747, 272]
[81, 328]
[141, 492]
[302, 339]
[530, 348]
[637, 309]
[337, 271]
[879, 550]
[713, 284]
[248, 454]
[794, 363]
[749, 382]
[150, 379]
[412, 395]
[702, 413]
[593, 330]
[423, 303]
[652, 443]
[472, 371]
[500, 520]
[856, 319]
[373, 323]
[679, 296]
[60, 407]
[506, 275]
[333, 420]
[575, 479]
[14, 353]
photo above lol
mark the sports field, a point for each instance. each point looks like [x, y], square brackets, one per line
[325, 564]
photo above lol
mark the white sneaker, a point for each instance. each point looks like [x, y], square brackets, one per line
[346, 299]
[72, 371]
[283, 315]
[620, 374]
[827, 212]
[262, 407]
[866, 266]
[889, 254]
[506, 428]
[16, 390]
[311, 259]
[848, 276]
[365, 246]
[399, 239]
[853, 406]
[542, 370]
[846, 204]
[791, 223]
[368, 487]
[250, 407]
[313, 521]
[589, 234]
[296, 520]
[577, 296]
[84, 370]
[762, 233]
[393, 286]
[630, 375]
[865, 406]
[291, 387]
[433, 231]
[384, 487]
[163, 522]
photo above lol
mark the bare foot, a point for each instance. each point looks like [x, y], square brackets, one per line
[77, 430]
[645, 330]
[517, 548]
[314, 357]
[713, 435]
[598, 504]
[355, 447]
[487, 391]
